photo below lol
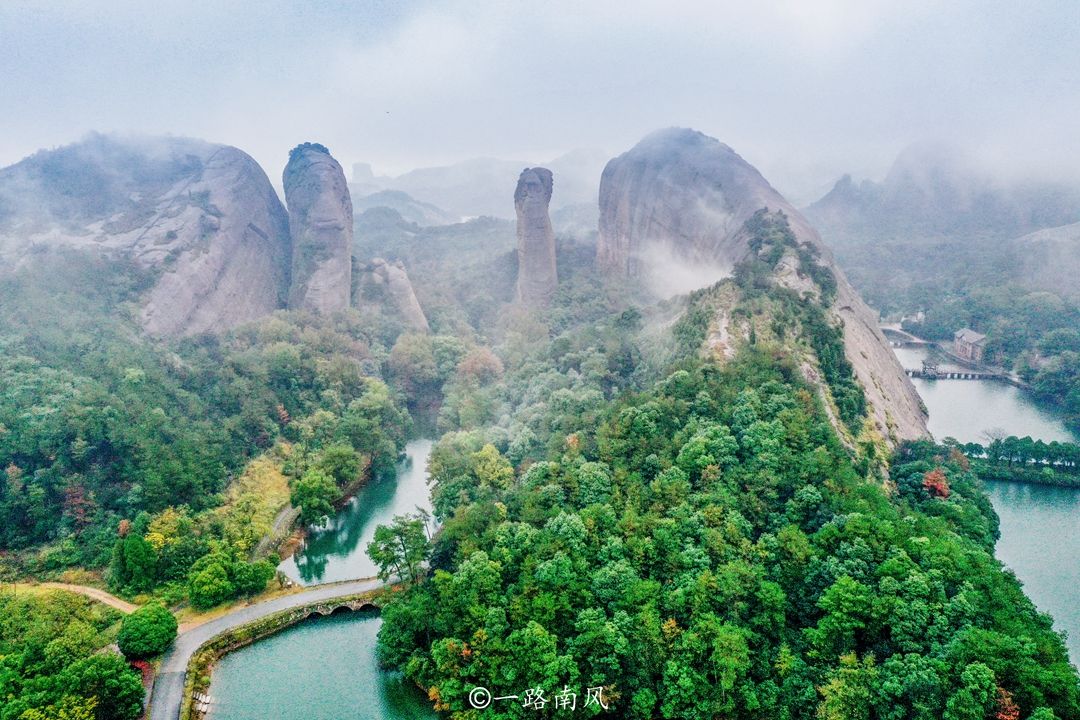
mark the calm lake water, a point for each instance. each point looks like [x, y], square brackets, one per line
[1040, 525]
[1040, 541]
[967, 409]
[337, 550]
[321, 669]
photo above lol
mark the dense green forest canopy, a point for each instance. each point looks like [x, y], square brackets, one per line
[54, 663]
[118, 449]
[706, 548]
[698, 540]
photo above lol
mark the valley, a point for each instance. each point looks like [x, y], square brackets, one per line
[474, 360]
[674, 462]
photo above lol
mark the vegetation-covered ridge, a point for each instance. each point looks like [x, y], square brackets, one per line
[317, 147]
[707, 549]
[1025, 460]
[782, 313]
[168, 461]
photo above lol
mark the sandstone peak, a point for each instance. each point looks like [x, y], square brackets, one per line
[321, 224]
[386, 284]
[537, 273]
[204, 214]
[674, 212]
[678, 199]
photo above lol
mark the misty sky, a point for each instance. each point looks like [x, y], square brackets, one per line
[806, 90]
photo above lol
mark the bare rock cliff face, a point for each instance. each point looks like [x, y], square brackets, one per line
[672, 212]
[205, 215]
[537, 274]
[236, 270]
[679, 199]
[321, 222]
[387, 285]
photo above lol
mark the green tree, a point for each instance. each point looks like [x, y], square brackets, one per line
[77, 641]
[70, 707]
[400, 549]
[848, 693]
[134, 564]
[107, 677]
[340, 462]
[847, 605]
[713, 445]
[976, 695]
[1043, 713]
[210, 586]
[314, 493]
[251, 578]
[147, 632]
[492, 469]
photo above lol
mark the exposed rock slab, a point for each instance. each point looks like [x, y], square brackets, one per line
[538, 276]
[204, 214]
[677, 201]
[672, 212]
[321, 225]
[387, 284]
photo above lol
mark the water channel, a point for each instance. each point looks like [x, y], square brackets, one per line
[337, 550]
[326, 668]
[321, 669]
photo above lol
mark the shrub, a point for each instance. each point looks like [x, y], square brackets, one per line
[147, 632]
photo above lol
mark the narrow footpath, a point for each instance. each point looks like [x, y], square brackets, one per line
[91, 592]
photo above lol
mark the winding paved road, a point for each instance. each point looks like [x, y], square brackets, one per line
[168, 691]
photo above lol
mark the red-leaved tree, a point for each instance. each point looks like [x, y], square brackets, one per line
[936, 483]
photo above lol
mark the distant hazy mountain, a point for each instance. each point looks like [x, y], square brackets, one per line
[407, 207]
[479, 186]
[933, 192]
[1050, 259]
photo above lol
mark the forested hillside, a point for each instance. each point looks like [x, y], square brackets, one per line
[55, 663]
[709, 549]
[942, 240]
[699, 537]
[118, 450]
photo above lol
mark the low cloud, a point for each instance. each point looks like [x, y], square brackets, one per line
[806, 91]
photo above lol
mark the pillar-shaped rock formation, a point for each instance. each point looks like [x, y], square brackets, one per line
[321, 225]
[537, 274]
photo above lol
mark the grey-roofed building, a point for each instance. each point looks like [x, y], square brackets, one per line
[969, 345]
